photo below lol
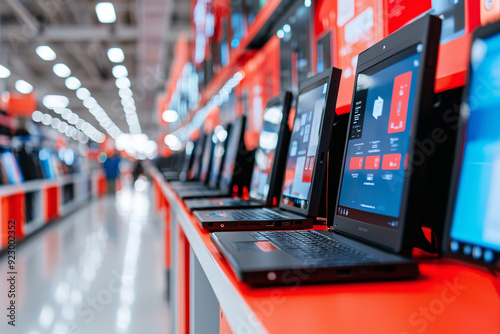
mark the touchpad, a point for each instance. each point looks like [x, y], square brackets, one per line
[255, 246]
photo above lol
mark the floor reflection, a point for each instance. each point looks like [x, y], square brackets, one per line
[99, 270]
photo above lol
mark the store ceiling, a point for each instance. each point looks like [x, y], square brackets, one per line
[146, 31]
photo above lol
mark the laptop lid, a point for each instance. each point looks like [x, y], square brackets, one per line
[386, 106]
[206, 159]
[234, 145]
[273, 140]
[219, 139]
[188, 158]
[473, 229]
[195, 168]
[304, 171]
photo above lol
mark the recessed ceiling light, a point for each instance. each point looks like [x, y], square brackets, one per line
[119, 71]
[105, 12]
[122, 83]
[23, 87]
[170, 116]
[82, 93]
[37, 116]
[73, 83]
[116, 55]
[125, 92]
[45, 52]
[61, 70]
[55, 101]
[4, 72]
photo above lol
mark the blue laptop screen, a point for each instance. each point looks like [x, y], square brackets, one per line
[266, 151]
[475, 230]
[379, 138]
[304, 146]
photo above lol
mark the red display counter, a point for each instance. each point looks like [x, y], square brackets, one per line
[206, 296]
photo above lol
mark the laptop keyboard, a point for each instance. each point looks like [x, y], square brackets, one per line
[314, 247]
[255, 214]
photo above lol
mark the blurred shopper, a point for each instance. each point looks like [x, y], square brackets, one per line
[112, 169]
[138, 170]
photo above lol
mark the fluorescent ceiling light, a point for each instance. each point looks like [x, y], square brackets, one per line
[89, 102]
[4, 72]
[120, 71]
[45, 52]
[170, 116]
[116, 55]
[73, 83]
[55, 101]
[61, 70]
[122, 83]
[23, 87]
[82, 93]
[105, 12]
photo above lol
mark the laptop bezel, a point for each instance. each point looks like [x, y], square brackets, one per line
[331, 77]
[210, 150]
[409, 36]
[241, 146]
[200, 144]
[285, 99]
[481, 32]
[214, 184]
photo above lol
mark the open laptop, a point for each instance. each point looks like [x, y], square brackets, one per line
[221, 181]
[270, 156]
[204, 167]
[473, 229]
[305, 165]
[210, 172]
[369, 236]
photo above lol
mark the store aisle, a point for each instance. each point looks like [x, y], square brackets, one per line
[100, 270]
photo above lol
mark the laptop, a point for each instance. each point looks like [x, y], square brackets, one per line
[268, 167]
[222, 173]
[368, 240]
[305, 167]
[473, 224]
[204, 166]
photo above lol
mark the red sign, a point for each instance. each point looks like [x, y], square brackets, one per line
[391, 161]
[372, 162]
[356, 163]
[399, 104]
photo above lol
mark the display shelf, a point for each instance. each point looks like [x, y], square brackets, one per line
[445, 298]
[44, 198]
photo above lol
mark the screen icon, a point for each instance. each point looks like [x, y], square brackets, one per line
[378, 105]
[399, 103]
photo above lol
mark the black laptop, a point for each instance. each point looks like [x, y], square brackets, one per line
[269, 164]
[368, 241]
[473, 229]
[305, 166]
[203, 165]
[222, 167]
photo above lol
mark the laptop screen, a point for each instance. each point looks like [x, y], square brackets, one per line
[219, 138]
[188, 153]
[205, 161]
[198, 152]
[304, 145]
[376, 155]
[233, 146]
[265, 153]
[475, 229]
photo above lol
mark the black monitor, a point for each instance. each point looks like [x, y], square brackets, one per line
[309, 142]
[274, 137]
[235, 144]
[473, 233]
[391, 104]
[220, 141]
[188, 159]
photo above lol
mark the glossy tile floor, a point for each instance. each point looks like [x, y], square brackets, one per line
[100, 270]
